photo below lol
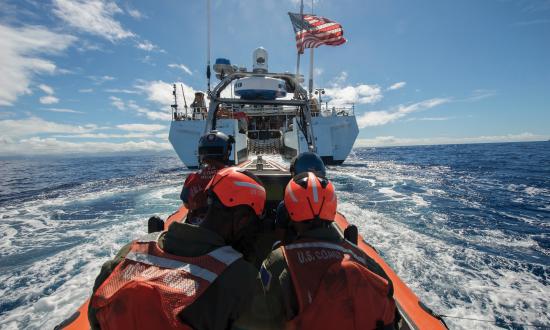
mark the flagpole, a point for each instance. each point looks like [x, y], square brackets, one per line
[310, 72]
[298, 58]
[311, 64]
[208, 43]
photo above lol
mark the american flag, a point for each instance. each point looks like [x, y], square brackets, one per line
[314, 31]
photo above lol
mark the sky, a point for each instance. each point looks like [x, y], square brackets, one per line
[94, 76]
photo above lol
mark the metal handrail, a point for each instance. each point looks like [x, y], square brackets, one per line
[325, 111]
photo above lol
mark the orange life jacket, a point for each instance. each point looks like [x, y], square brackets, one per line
[195, 184]
[150, 287]
[335, 288]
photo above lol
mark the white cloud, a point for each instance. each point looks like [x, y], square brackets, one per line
[397, 85]
[117, 103]
[152, 115]
[34, 125]
[106, 136]
[49, 146]
[6, 114]
[147, 46]
[135, 13]
[181, 67]
[385, 141]
[62, 110]
[49, 99]
[360, 94]
[341, 95]
[157, 115]
[22, 137]
[46, 89]
[86, 45]
[142, 127]
[162, 136]
[21, 57]
[161, 92]
[340, 79]
[92, 16]
[122, 91]
[431, 118]
[141, 111]
[85, 90]
[98, 80]
[377, 118]
[480, 94]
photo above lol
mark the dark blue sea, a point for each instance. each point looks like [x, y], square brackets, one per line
[466, 226]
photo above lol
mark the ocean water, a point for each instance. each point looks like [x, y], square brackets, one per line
[466, 226]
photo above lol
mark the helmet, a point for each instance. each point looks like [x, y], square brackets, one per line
[307, 162]
[215, 145]
[308, 196]
[233, 187]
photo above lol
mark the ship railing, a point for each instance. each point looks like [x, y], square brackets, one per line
[196, 113]
[333, 111]
[269, 110]
[200, 113]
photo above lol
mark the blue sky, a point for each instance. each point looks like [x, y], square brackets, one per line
[94, 76]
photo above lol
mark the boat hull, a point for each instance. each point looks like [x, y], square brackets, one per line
[414, 314]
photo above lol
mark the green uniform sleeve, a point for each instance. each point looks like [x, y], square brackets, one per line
[255, 317]
[279, 301]
[105, 272]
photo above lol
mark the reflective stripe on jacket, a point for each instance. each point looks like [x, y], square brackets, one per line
[150, 287]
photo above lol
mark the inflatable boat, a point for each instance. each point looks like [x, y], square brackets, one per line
[413, 314]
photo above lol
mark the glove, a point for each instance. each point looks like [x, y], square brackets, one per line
[155, 224]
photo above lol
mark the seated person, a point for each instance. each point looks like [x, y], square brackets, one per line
[320, 280]
[304, 162]
[214, 151]
[190, 276]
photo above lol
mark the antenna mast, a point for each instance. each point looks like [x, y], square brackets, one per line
[184, 101]
[208, 43]
[311, 63]
[175, 105]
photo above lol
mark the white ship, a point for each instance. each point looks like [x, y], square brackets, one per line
[266, 113]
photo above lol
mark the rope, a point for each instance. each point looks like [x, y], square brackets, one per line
[494, 322]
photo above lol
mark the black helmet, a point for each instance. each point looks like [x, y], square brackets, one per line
[216, 146]
[307, 162]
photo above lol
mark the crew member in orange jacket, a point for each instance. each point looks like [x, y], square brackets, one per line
[320, 280]
[190, 276]
[214, 150]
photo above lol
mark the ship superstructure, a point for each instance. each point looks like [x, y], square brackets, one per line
[266, 113]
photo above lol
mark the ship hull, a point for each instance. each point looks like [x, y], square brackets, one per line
[334, 139]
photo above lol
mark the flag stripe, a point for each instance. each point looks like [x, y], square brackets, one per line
[327, 41]
[335, 32]
[322, 28]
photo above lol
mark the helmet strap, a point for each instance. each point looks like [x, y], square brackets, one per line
[316, 216]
